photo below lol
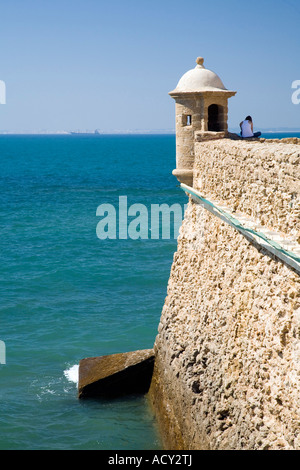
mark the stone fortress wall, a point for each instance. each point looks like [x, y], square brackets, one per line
[224, 372]
[227, 353]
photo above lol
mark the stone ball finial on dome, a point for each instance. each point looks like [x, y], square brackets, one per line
[199, 60]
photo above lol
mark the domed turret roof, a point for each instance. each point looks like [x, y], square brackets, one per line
[199, 79]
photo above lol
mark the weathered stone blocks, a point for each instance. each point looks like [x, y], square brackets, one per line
[116, 375]
[227, 366]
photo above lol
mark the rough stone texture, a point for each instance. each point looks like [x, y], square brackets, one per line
[116, 375]
[227, 367]
[261, 180]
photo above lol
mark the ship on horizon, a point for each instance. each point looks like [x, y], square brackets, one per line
[85, 133]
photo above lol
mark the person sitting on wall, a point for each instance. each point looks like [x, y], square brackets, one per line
[247, 128]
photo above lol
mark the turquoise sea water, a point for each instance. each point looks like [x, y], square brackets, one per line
[280, 135]
[66, 295]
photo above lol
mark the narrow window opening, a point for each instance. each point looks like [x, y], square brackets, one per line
[186, 120]
[215, 118]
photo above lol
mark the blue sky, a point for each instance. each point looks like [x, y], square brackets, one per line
[73, 64]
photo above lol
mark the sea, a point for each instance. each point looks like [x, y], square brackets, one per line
[66, 294]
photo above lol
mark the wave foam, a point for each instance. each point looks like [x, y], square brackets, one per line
[72, 373]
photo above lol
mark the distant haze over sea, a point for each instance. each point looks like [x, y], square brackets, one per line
[98, 131]
[134, 131]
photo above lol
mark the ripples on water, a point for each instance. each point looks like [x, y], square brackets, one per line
[66, 295]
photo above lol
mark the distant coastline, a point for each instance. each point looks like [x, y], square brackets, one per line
[277, 130]
[109, 132]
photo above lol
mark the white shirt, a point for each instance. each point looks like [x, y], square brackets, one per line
[246, 129]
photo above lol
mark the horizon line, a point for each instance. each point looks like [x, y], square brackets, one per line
[134, 132]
